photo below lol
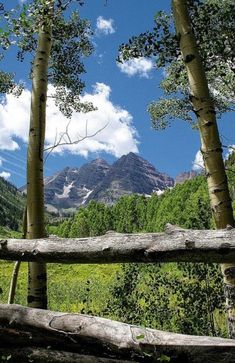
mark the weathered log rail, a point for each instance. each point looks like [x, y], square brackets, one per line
[175, 245]
[92, 338]
[34, 335]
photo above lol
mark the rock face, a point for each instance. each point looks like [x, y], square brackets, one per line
[71, 187]
[130, 174]
[97, 180]
[186, 175]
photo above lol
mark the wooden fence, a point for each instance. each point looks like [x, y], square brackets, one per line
[34, 335]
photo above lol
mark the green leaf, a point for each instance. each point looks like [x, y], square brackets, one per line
[164, 358]
[141, 336]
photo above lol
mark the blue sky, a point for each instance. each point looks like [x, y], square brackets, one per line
[122, 96]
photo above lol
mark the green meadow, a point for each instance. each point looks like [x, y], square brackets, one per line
[72, 288]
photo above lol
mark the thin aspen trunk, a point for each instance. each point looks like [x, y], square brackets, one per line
[210, 143]
[37, 282]
[16, 269]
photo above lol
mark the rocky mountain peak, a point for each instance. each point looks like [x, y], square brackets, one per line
[97, 180]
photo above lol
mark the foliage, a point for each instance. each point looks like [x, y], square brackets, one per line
[230, 167]
[70, 43]
[72, 288]
[213, 25]
[186, 205]
[7, 84]
[185, 298]
[11, 206]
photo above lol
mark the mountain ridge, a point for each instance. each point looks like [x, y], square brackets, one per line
[97, 180]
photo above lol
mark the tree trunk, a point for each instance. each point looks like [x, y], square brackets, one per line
[210, 142]
[37, 284]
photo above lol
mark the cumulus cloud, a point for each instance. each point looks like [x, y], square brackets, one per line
[117, 135]
[137, 66]
[198, 163]
[231, 149]
[5, 175]
[104, 26]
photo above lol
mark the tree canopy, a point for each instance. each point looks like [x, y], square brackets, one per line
[213, 26]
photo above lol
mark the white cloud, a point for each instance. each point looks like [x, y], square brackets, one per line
[231, 149]
[0, 162]
[118, 136]
[104, 26]
[198, 163]
[5, 175]
[137, 66]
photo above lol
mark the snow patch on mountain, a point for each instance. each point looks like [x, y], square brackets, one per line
[66, 190]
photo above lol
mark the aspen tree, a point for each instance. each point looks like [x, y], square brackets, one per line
[56, 43]
[37, 279]
[211, 147]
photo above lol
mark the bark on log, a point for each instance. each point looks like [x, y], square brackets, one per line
[93, 336]
[175, 244]
[42, 355]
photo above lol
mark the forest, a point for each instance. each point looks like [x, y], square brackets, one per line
[192, 44]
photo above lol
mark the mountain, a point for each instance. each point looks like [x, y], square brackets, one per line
[72, 186]
[186, 175]
[97, 180]
[130, 174]
[11, 205]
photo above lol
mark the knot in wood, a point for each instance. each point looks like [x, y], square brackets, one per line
[35, 252]
[3, 243]
[189, 244]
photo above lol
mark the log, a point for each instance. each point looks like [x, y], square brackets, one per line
[98, 337]
[175, 245]
[41, 355]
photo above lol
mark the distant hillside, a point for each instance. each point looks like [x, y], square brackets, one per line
[11, 205]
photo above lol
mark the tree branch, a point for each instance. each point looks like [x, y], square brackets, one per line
[69, 140]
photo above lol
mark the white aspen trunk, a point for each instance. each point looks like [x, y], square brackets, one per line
[210, 143]
[37, 284]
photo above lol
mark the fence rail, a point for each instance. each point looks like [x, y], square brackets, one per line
[98, 337]
[175, 245]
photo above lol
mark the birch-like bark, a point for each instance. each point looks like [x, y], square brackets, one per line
[210, 142]
[37, 284]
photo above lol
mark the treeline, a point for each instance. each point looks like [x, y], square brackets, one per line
[187, 205]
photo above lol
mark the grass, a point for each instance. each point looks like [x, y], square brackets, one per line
[72, 288]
